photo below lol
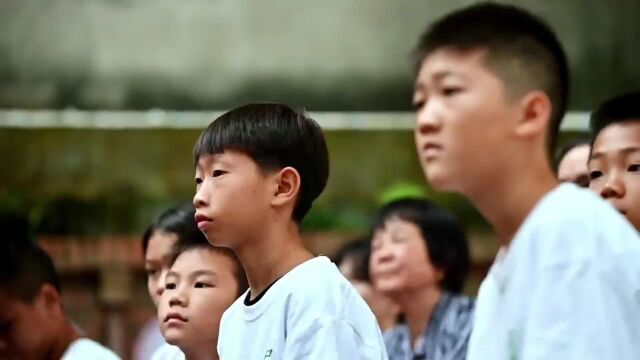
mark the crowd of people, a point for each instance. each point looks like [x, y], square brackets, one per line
[231, 278]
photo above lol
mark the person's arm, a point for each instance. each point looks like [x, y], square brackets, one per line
[330, 338]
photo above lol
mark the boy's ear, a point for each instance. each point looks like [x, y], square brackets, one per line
[49, 298]
[288, 186]
[535, 111]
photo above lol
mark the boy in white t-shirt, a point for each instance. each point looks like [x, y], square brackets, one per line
[259, 167]
[491, 89]
[33, 325]
[614, 163]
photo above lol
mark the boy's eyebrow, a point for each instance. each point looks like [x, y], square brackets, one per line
[625, 150]
[203, 272]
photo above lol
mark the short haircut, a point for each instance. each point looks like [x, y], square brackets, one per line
[274, 136]
[443, 235]
[359, 251]
[178, 220]
[24, 266]
[522, 51]
[201, 243]
[618, 109]
[563, 150]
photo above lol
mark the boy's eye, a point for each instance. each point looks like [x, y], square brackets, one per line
[448, 91]
[198, 181]
[418, 104]
[595, 174]
[201, 285]
[217, 173]
[634, 168]
[169, 286]
[152, 272]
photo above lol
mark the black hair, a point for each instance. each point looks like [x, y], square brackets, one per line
[358, 251]
[443, 235]
[521, 49]
[24, 266]
[200, 242]
[563, 150]
[274, 136]
[618, 109]
[178, 220]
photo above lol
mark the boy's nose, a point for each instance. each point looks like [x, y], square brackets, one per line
[613, 188]
[199, 199]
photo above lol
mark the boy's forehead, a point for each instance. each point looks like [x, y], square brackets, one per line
[447, 60]
[618, 136]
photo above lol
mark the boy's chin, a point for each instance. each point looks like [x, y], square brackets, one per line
[174, 336]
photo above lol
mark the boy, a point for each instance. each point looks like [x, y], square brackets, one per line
[202, 283]
[614, 163]
[490, 92]
[33, 325]
[572, 163]
[258, 169]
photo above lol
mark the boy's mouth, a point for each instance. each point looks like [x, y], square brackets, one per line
[176, 317]
[202, 221]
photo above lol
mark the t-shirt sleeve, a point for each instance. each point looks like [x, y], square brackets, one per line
[581, 310]
[330, 338]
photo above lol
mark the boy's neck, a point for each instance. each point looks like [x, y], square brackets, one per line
[201, 352]
[270, 257]
[418, 306]
[509, 199]
[66, 336]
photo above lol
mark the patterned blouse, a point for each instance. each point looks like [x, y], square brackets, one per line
[445, 338]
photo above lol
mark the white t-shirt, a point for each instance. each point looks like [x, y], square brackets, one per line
[168, 352]
[312, 312]
[567, 288]
[84, 348]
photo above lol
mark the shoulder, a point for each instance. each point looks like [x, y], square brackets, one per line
[85, 348]
[574, 225]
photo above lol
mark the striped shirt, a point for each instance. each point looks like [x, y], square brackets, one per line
[445, 338]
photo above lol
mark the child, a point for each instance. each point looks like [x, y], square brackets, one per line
[614, 163]
[490, 92]
[33, 325]
[202, 283]
[258, 169]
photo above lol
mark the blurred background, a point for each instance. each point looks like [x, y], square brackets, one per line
[102, 100]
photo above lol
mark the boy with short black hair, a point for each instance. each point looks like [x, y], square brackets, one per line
[614, 162]
[571, 162]
[259, 168]
[490, 92]
[33, 325]
[202, 283]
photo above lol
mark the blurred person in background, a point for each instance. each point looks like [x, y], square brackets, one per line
[353, 262]
[614, 164]
[571, 162]
[174, 225]
[33, 324]
[420, 259]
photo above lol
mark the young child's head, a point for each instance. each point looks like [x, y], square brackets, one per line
[490, 92]
[256, 166]
[417, 245]
[174, 225]
[32, 321]
[571, 162]
[202, 283]
[614, 164]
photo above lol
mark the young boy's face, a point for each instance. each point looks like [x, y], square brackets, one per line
[232, 197]
[615, 168]
[463, 120]
[199, 287]
[24, 328]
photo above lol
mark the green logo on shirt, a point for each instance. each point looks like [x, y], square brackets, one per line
[267, 355]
